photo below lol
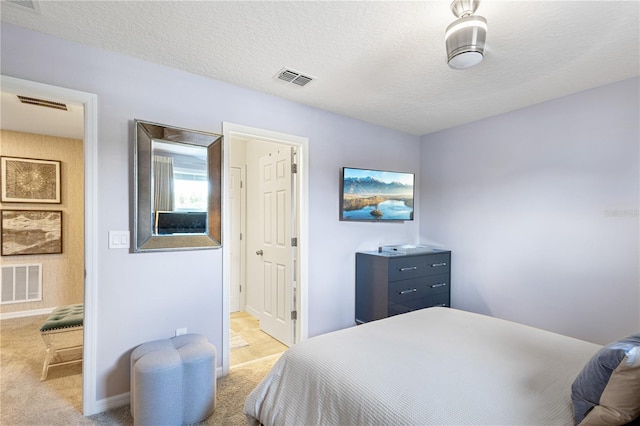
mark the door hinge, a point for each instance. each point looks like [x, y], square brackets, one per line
[294, 168]
[294, 315]
[294, 242]
[240, 184]
[241, 236]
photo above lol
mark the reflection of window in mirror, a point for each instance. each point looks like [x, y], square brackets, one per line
[180, 184]
[191, 192]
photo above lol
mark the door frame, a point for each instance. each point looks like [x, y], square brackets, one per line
[243, 240]
[229, 131]
[89, 101]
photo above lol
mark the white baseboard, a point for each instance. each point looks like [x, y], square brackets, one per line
[253, 312]
[21, 314]
[121, 400]
[111, 403]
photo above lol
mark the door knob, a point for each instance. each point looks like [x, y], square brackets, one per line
[259, 252]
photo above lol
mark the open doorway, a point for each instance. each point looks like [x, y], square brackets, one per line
[84, 171]
[263, 260]
[265, 244]
[43, 239]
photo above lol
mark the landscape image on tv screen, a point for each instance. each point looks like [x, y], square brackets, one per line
[376, 195]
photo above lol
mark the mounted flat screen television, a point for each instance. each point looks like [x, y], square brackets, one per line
[376, 195]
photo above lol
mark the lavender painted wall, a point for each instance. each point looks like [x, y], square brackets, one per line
[147, 296]
[540, 208]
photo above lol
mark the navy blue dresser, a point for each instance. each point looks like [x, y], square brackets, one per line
[389, 283]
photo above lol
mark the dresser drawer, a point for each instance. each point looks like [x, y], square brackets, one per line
[407, 267]
[418, 288]
[415, 304]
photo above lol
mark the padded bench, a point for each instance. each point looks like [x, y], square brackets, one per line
[62, 332]
[173, 381]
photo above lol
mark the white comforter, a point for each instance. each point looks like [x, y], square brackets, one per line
[433, 366]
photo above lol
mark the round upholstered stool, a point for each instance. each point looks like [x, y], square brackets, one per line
[173, 381]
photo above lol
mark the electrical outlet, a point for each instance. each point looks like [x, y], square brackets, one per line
[181, 331]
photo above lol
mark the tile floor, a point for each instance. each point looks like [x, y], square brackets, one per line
[260, 343]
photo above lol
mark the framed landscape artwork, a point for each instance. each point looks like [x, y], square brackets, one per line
[26, 180]
[376, 195]
[31, 232]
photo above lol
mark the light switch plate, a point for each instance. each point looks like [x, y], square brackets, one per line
[118, 239]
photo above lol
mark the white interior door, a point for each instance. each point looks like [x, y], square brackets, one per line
[275, 252]
[236, 198]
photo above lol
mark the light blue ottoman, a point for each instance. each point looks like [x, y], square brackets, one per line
[173, 381]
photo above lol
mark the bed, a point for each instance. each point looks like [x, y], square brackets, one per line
[432, 366]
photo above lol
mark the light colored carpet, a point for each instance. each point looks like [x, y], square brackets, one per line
[25, 400]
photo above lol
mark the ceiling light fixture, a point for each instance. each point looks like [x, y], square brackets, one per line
[465, 37]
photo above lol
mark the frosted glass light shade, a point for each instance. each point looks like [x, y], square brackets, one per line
[465, 60]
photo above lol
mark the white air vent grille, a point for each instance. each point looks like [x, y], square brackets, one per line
[302, 80]
[42, 103]
[21, 283]
[27, 5]
[294, 77]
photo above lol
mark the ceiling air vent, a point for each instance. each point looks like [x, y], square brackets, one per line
[31, 6]
[42, 102]
[294, 77]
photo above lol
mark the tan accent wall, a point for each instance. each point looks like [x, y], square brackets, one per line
[62, 274]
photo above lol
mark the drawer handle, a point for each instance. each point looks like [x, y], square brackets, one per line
[410, 268]
[434, 265]
[444, 305]
[408, 291]
[438, 285]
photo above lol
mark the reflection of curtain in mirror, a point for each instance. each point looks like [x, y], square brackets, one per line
[163, 183]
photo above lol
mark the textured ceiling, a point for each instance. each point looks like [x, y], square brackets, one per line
[380, 62]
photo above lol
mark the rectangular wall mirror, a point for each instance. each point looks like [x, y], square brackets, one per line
[178, 188]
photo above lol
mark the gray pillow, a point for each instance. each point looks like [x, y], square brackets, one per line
[607, 390]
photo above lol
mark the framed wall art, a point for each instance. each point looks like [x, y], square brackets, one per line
[31, 232]
[376, 195]
[26, 180]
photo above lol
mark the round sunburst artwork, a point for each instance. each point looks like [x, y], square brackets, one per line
[26, 180]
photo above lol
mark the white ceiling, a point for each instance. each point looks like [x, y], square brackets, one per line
[378, 61]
